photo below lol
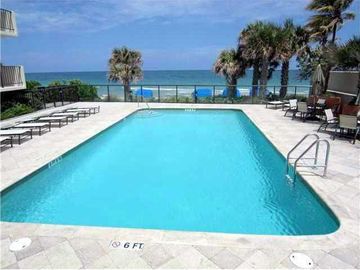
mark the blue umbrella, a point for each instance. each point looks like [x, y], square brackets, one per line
[146, 93]
[226, 90]
[203, 92]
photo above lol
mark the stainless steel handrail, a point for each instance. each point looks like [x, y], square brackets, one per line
[317, 143]
[292, 150]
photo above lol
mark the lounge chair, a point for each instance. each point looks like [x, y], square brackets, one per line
[93, 109]
[84, 112]
[71, 115]
[303, 110]
[19, 133]
[34, 125]
[226, 90]
[7, 139]
[330, 120]
[348, 123]
[274, 103]
[54, 119]
[292, 106]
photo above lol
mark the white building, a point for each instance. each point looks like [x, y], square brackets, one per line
[11, 77]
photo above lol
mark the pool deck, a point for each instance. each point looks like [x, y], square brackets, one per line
[58, 246]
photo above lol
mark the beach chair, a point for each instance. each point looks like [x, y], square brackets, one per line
[6, 140]
[348, 123]
[61, 120]
[84, 112]
[226, 91]
[92, 109]
[19, 133]
[330, 120]
[70, 115]
[39, 126]
[292, 106]
[303, 110]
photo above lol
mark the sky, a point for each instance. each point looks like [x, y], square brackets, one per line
[79, 35]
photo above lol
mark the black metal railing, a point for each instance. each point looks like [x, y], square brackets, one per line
[6, 20]
[52, 96]
[198, 93]
[10, 76]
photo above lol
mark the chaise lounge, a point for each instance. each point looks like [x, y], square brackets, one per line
[19, 133]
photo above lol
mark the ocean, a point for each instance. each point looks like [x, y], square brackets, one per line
[163, 77]
[166, 78]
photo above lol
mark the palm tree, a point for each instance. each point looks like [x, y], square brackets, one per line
[261, 41]
[295, 38]
[347, 56]
[330, 16]
[232, 66]
[125, 66]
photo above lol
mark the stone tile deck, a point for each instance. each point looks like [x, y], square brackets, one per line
[57, 246]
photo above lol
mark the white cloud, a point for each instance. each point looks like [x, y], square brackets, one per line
[97, 15]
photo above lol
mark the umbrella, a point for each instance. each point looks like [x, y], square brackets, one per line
[318, 80]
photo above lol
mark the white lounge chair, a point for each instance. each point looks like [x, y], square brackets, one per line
[82, 112]
[34, 125]
[54, 119]
[72, 115]
[4, 139]
[16, 133]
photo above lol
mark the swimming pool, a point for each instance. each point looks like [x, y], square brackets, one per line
[203, 170]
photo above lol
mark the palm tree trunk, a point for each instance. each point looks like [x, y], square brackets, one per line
[232, 87]
[284, 78]
[334, 34]
[255, 77]
[127, 91]
[264, 75]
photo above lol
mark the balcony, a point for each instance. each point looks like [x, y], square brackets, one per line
[8, 23]
[12, 78]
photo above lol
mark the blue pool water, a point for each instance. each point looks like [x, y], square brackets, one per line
[204, 170]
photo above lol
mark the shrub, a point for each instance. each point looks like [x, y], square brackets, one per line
[85, 91]
[16, 110]
[31, 85]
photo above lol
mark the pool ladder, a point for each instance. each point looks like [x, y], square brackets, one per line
[315, 143]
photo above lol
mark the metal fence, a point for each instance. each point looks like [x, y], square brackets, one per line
[6, 22]
[53, 96]
[203, 93]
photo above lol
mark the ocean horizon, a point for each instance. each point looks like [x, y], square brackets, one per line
[162, 77]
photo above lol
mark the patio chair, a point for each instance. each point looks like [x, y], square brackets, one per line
[348, 123]
[330, 120]
[292, 106]
[303, 110]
